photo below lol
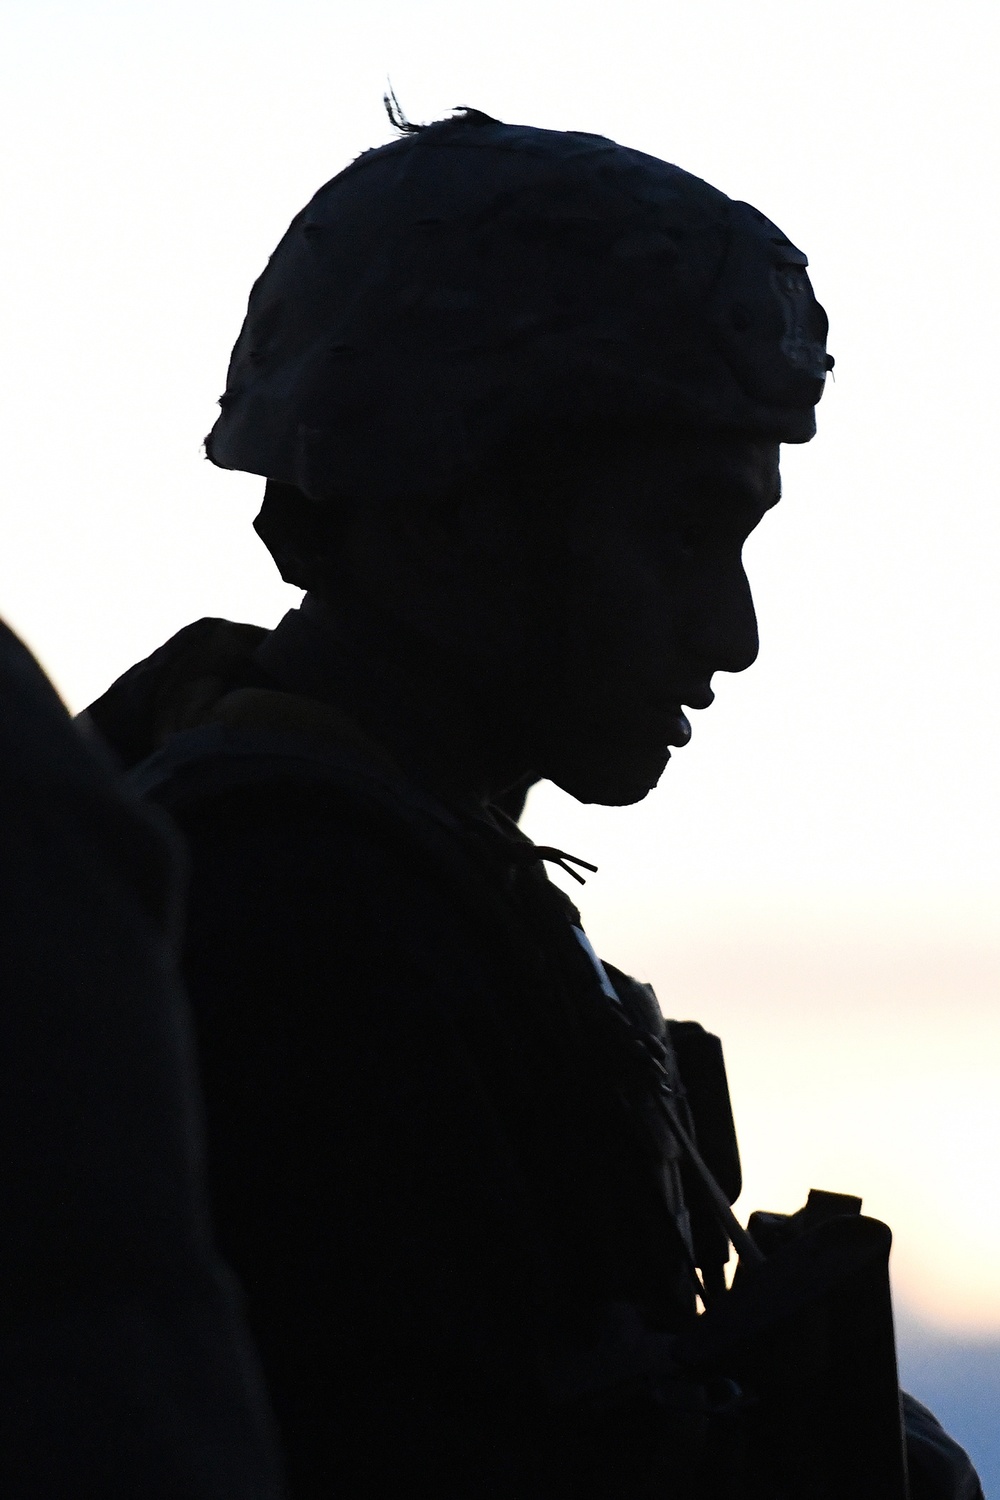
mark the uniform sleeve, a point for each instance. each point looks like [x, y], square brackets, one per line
[938, 1468]
[125, 1364]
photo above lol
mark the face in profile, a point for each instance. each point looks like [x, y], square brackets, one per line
[645, 598]
[570, 608]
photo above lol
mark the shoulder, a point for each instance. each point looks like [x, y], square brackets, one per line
[307, 800]
[309, 860]
[65, 807]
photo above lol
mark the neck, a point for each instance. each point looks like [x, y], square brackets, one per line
[445, 730]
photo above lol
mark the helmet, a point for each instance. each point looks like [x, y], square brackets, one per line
[471, 275]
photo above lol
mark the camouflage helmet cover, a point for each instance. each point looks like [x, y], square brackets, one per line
[473, 274]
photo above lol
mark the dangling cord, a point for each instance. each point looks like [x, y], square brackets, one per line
[527, 854]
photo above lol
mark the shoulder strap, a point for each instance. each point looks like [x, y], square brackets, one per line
[200, 764]
[688, 1081]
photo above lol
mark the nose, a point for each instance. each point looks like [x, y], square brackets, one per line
[725, 635]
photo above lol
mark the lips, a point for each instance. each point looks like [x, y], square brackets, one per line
[677, 729]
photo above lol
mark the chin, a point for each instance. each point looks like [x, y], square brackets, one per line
[614, 780]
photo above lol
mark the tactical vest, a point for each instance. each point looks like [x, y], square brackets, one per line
[257, 737]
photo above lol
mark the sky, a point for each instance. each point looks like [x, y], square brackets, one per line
[817, 876]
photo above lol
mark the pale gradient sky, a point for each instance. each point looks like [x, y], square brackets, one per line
[817, 876]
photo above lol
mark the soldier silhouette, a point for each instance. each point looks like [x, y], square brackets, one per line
[518, 397]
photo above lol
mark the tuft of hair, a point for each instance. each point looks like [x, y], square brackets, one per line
[397, 119]
[463, 114]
